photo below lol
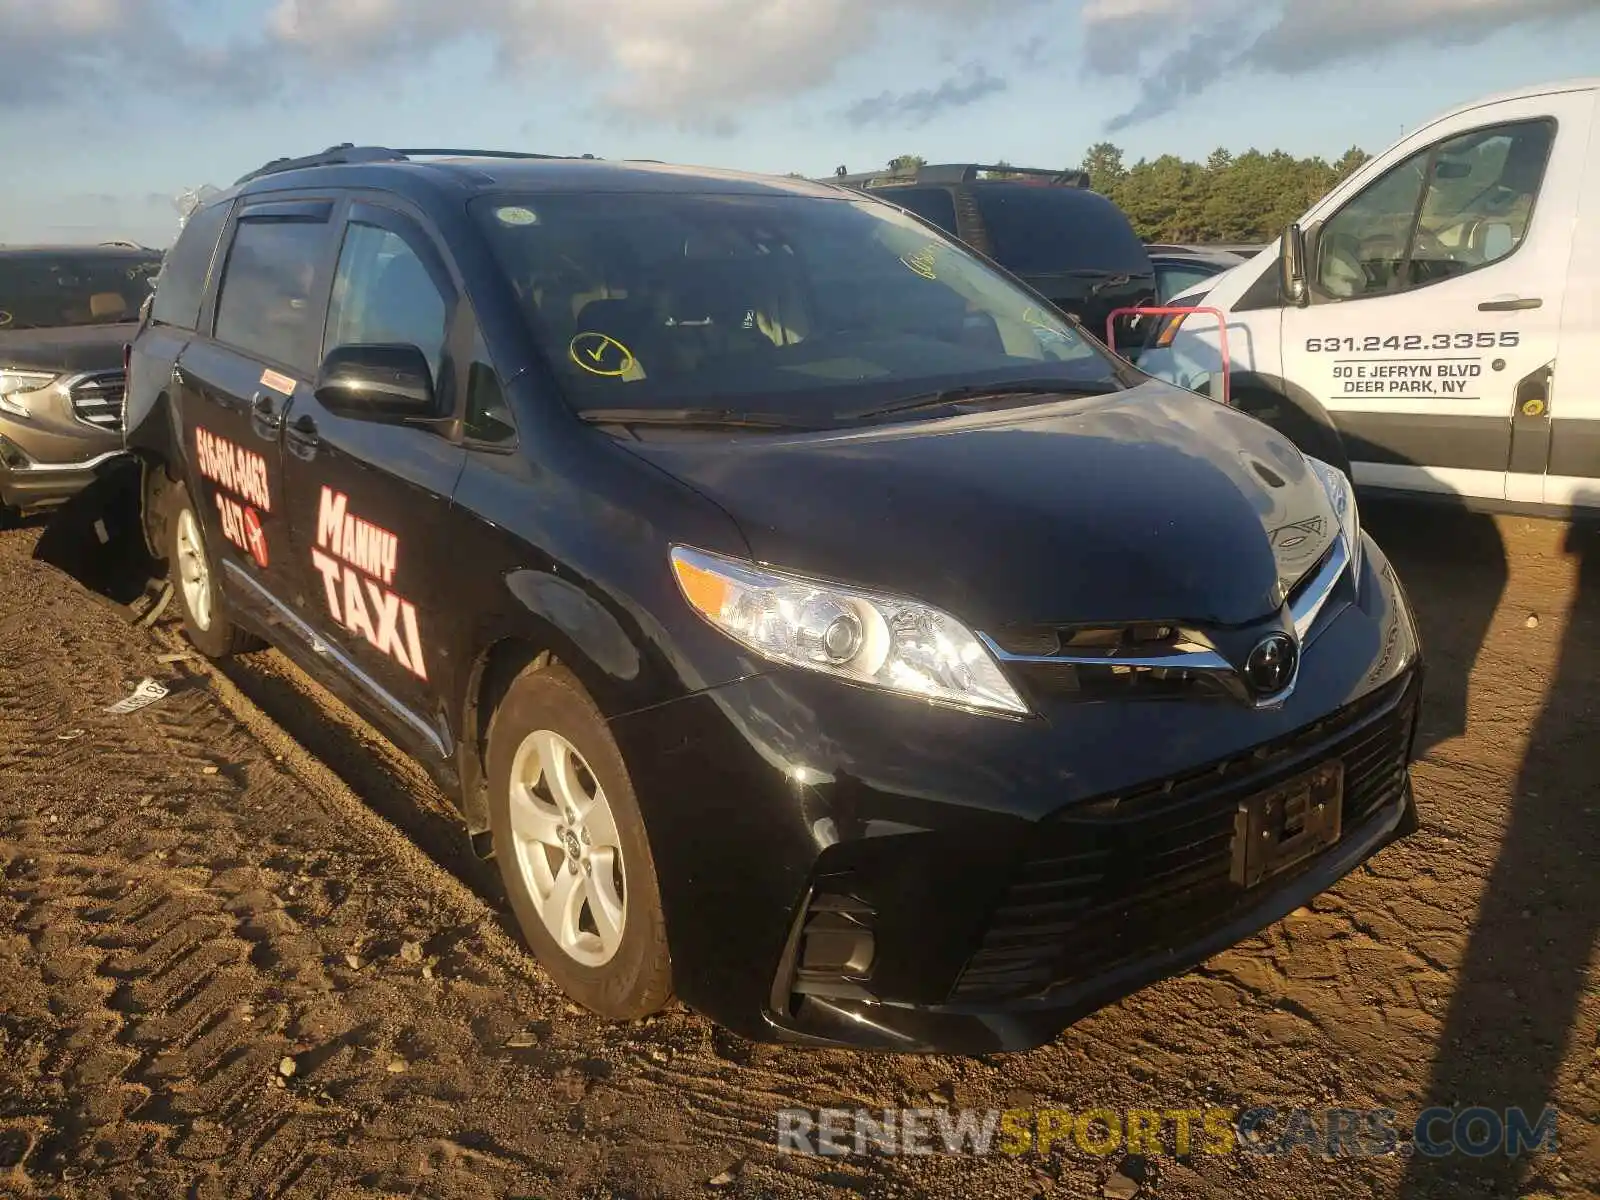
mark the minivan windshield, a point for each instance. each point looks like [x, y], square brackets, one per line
[54, 289]
[810, 308]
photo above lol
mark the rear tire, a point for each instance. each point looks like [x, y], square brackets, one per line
[572, 849]
[197, 594]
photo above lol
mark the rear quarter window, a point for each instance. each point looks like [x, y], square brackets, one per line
[182, 282]
[1049, 230]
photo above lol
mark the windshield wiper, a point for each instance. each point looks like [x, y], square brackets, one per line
[994, 391]
[710, 418]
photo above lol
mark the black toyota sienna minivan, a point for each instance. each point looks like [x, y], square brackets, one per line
[809, 621]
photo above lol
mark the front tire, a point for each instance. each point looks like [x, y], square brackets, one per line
[197, 593]
[572, 849]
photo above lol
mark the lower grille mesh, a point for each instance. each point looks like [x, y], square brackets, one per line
[1110, 880]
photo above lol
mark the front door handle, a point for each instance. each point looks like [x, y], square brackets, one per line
[265, 416]
[1511, 304]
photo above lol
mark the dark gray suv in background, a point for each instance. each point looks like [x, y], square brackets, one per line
[66, 314]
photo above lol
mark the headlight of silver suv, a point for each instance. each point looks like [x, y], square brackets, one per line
[880, 641]
[15, 386]
[1342, 495]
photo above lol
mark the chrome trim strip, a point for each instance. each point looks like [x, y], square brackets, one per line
[88, 464]
[1303, 613]
[320, 646]
[1199, 659]
[69, 383]
[1314, 596]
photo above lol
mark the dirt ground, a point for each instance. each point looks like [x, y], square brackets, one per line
[245, 952]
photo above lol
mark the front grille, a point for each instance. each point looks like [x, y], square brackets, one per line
[1115, 878]
[98, 399]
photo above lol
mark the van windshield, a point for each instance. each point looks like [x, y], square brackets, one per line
[805, 306]
[55, 289]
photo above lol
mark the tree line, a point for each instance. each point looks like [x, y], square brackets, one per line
[1249, 197]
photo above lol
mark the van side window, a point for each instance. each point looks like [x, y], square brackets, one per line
[383, 294]
[265, 306]
[182, 281]
[1446, 211]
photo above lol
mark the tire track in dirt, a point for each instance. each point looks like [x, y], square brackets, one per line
[195, 902]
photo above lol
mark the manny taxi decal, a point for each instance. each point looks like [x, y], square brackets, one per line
[242, 489]
[357, 561]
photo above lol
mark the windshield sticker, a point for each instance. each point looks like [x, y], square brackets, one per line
[278, 383]
[924, 262]
[516, 215]
[357, 561]
[601, 354]
[1046, 329]
[232, 468]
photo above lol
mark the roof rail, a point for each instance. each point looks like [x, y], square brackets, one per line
[349, 152]
[957, 173]
[345, 152]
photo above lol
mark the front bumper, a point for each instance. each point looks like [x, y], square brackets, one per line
[71, 429]
[844, 867]
[29, 485]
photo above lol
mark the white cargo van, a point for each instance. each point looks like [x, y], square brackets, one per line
[1440, 310]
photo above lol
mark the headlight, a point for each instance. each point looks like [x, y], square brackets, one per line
[1342, 495]
[13, 384]
[898, 645]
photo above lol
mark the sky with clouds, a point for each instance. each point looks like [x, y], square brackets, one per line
[108, 108]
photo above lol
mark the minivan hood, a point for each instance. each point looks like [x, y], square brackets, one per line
[1148, 505]
[69, 348]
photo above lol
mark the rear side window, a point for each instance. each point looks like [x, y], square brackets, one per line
[931, 204]
[1051, 230]
[266, 307]
[182, 282]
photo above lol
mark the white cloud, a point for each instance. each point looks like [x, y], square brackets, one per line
[1196, 42]
[681, 59]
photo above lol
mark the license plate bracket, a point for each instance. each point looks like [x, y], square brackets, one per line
[1276, 829]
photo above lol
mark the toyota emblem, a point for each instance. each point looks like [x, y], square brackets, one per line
[1270, 668]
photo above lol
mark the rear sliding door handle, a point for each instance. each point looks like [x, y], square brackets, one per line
[1511, 304]
[303, 431]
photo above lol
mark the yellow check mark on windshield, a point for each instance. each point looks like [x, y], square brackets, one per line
[590, 351]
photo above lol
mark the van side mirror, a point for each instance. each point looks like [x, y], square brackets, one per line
[1292, 265]
[390, 384]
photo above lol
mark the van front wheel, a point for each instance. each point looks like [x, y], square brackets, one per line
[572, 849]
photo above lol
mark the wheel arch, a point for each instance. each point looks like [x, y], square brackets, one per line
[1293, 412]
[550, 622]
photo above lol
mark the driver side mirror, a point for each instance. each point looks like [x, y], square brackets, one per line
[388, 384]
[1292, 261]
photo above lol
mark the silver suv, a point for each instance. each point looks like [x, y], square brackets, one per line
[66, 315]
